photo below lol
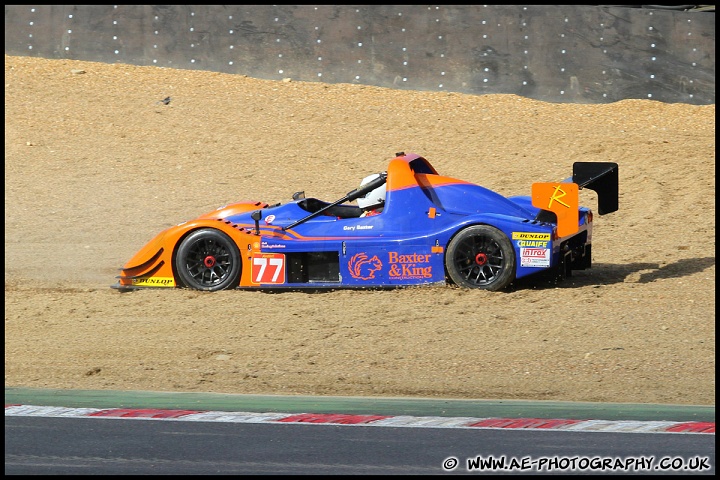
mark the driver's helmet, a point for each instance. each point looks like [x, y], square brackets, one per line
[374, 198]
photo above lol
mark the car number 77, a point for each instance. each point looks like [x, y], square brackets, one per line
[268, 268]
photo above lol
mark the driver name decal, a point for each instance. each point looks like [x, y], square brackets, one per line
[412, 266]
[268, 268]
[357, 227]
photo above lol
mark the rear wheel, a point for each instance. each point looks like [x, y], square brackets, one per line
[208, 260]
[481, 257]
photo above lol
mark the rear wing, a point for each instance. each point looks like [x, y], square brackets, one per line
[562, 198]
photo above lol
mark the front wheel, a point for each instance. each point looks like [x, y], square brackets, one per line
[481, 257]
[208, 260]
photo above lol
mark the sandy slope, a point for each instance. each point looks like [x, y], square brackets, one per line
[95, 165]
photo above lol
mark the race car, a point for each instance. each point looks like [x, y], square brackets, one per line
[432, 229]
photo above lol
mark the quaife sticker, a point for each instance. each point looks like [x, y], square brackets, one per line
[154, 282]
[535, 257]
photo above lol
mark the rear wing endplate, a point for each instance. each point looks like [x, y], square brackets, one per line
[561, 198]
[602, 177]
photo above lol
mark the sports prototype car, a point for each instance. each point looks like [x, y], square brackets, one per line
[433, 229]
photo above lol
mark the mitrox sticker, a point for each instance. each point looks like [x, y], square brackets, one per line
[534, 248]
[268, 268]
[534, 257]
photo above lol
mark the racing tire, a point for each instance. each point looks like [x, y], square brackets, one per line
[481, 257]
[208, 260]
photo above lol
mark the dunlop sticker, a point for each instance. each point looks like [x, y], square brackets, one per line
[530, 236]
[154, 282]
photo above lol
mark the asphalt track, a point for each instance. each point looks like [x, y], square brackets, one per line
[380, 406]
[51, 432]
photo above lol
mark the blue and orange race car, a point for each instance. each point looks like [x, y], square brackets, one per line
[433, 229]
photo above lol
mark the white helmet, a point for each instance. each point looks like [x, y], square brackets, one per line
[375, 197]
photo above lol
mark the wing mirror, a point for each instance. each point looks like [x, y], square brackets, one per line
[256, 215]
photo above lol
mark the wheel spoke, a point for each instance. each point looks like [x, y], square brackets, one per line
[481, 256]
[468, 267]
[208, 275]
[208, 259]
